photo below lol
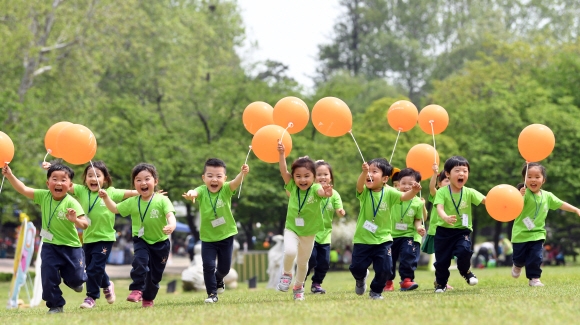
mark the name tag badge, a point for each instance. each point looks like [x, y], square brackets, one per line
[529, 223]
[299, 222]
[370, 226]
[141, 232]
[401, 226]
[88, 220]
[46, 234]
[218, 222]
[465, 220]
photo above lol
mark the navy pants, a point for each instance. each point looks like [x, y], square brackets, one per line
[148, 266]
[380, 256]
[406, 251]
[210, 251]
[529, 254]
[319, 261]
[96, 255]
[451, 242]
[60, 262]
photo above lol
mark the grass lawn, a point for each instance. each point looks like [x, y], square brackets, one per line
[497, 299]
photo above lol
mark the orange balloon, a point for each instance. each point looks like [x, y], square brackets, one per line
[421, 158]
[77, 144]
[504, 203]
[6, 149]
[291, 110]
[402, 115]
[536, 142]
[265, 143]
[434, 113]
[332, 117]
[50, 138]
[256, 115]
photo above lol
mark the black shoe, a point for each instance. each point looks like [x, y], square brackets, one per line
[440, 288]
[212, 298]
[470, 278]
[55, 310]
[221, 287]
[78, 289]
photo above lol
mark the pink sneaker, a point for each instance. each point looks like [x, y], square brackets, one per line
[135, 296]
[88, 303]
[449, 287]
[147, 303]
[110, 293]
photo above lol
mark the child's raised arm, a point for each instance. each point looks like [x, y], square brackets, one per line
[410, 194]
[238, 180]
[570, 208]
[325, 191]
[16, 183]
[79, 221]
[433, 180]
[283, 168]
[360, 183]
[190, 195]
[171, 223]
[111, 205]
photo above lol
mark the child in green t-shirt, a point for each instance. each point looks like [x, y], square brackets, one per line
[407, 231]
[218, 226]
[372, 238]
[303, 219]
[529, 232]
[438, 180]
[61, 252]
[152, 221]
[452, 237]
[320, 257]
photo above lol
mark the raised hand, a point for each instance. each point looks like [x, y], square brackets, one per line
[71, 215]
[245, 169]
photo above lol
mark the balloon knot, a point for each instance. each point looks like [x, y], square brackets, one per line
[290, 124]
[49, 151]
[431, 121]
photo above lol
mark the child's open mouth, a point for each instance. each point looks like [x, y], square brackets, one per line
[58, 190]
[145, 189]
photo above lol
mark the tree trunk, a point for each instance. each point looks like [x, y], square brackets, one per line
[510, 226]
[497, 232]
[474, 225]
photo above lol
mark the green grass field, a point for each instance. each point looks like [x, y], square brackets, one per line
[497, 299]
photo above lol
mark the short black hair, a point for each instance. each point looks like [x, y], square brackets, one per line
[143, 167]
[214, 162]
[410, 172]
[305, 162]
[396, 177]
[519, 186]
[108, 181]
[442, 176]
[454, 162]
[533, 164]
[383, 165]
[60, 167]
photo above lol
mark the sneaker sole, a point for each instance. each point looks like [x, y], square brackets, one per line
[83, 306]
[413, 287]
[131, 300]
[282, 289]
[439, 291]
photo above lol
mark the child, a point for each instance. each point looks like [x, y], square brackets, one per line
[407, 232]
[218, 226]
[529, 233]
[372, 237]
[453, 204]
[395, 177]
[303, 219]
[320, 258]
[438, 180]
[61, 251]
[152, 220]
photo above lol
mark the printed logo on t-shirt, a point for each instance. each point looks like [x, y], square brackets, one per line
[383, 206]
[310, 199]
[411, 213]
[154, 213]
[61, 215]
[329, 207]
[103, 203]
[463, 204]
[219, 204]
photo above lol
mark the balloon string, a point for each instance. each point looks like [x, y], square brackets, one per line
[434, 146]
[289, 126]
[95, 172]
[47, 153]
[2, 185]
[396, 140]
[526, 177]
[361, 155]
[246, 162]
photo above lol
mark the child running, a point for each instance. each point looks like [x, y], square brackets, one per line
[152, 220]
[529, 232]
[408, 230]
[218, 226]
[320, 258]
[452, 237]
[372, 237]
[61, 250]
[303, 219]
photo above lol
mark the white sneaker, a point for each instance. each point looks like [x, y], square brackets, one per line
[516, 271]
[375, 296]
[298, 293]
[284, 283]
[221, 287]
[212, 298]
[535, 283]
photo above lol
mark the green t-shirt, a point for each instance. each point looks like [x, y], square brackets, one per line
[407, 212]
[311, 209]
[54, 218]
[464, 200]
[391, 197]
[154, 214]
[102, 221]
[328, 207]
[520, 233]
[223, 205]
[433, 218]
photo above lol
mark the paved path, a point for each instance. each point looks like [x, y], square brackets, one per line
[176, 266]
